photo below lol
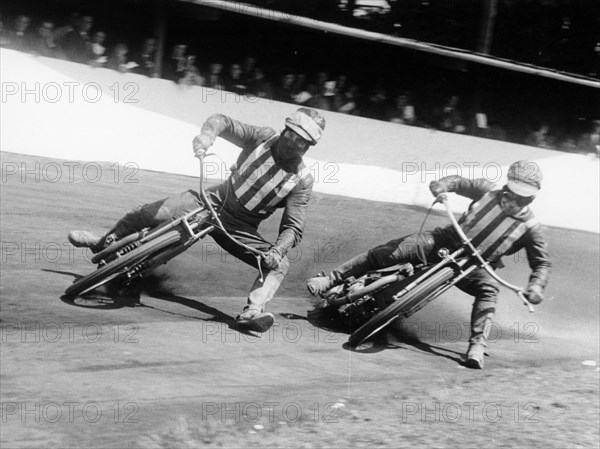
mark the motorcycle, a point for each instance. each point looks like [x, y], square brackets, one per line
[134, 257]
[370, 303]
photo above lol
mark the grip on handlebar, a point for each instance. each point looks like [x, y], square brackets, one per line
[525, 301]
[441, 198]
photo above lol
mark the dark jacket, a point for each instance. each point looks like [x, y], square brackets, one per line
[295, 204]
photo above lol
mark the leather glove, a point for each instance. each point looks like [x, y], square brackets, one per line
[437, 188]
[271, 260]
[201, 143]
[534, 294]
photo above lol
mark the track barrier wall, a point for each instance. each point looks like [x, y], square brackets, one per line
[59, 109]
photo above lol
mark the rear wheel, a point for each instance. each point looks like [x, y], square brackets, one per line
[119, 266]
[401, 305]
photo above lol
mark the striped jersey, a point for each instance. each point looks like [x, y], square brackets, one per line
[259, 184]
[492, 231]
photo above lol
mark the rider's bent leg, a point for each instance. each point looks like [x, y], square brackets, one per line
[146, 216]
[264, 288]
[266, 285]
[354, 267]
[415, 248]
[154, 214]
[485, 290]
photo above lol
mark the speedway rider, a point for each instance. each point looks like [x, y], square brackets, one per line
[269, 174]
[503, 224]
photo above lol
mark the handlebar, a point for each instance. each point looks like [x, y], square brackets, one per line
[520, 292]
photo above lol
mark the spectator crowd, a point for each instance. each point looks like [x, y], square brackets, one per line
[558, 34]
[81, 40]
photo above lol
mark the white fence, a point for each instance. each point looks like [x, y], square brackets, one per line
[70, 111]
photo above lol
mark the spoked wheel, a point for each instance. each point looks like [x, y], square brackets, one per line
[116, 270]
[401, 305]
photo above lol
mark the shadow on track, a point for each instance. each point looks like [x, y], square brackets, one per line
[382, 342]
[217, 315]
[113, 297]
[67, 273]
[439, 351]
[379, 342]
[101, 298]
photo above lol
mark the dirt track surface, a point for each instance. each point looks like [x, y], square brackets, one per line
[175, 371]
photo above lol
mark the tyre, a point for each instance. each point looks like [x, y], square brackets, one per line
[117, 267]
[408, 300]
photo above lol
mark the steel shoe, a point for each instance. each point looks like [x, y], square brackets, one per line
[255, 320]
[86, 239]
[475, 355]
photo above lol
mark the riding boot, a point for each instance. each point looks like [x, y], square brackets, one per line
[355, 267]
[481, 321]
[86, 239]
[476, 352]
[485, 290]
[262, 291]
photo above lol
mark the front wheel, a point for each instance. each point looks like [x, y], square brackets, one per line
[406, 302]
[118, 267]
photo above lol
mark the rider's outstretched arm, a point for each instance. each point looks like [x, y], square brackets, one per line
[245, 136]
[471, 188]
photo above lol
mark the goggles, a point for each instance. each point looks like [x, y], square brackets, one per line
[521, 201]
[294, 136]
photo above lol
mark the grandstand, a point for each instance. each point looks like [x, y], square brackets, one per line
[498, 98]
